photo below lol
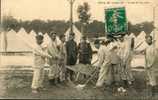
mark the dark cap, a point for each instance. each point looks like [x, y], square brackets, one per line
[61, 36]
[97, 42]
[39, 37]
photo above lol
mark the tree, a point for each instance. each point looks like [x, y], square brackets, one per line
[9, 22]
[84, 14]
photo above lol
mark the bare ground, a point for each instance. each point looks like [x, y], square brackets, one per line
[18, 87]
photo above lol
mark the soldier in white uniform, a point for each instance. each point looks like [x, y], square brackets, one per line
[52, 50]
[103, 65]
[39, 61]
[125, 53]
[150, 55]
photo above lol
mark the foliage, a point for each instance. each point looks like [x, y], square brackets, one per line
[93, 29]
[83, 13]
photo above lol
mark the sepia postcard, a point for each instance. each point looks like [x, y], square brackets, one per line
[79, 49]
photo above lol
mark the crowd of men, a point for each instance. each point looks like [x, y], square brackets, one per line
[114, 57]
[58, 56]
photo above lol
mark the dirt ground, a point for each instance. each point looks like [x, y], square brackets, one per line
[18, 87]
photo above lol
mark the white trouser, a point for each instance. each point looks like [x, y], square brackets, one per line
[151, 77]
[38, 77]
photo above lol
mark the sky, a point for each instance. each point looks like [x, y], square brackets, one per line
[60, 9]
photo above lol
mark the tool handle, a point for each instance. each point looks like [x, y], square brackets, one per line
[91, 77]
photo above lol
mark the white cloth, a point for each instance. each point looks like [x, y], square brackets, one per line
[151, 77]
[39, 61]
[38, 77]
[112, 44]
[102, 56]
[103, 64]
[53, 62]
[122, 51]
[150, 55]
[39, 56]
[125, 53]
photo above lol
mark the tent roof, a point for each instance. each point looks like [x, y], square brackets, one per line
[14, 43]
[32, 36]
[33, 33]
[140, 38]
[2, 42]
[152, 34]
[22, 30]
[132, 35]
[156, 38]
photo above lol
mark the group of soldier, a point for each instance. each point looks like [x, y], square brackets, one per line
[114, 61]
[57, 56]
[115, 56]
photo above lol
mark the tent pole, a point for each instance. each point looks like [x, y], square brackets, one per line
[154, 25]
[71, 14]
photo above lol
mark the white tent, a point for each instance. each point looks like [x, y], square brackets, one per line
[32, 33]
[58, 40]
[14, 43]
[46, 40]
[156, 38]
[78, 34]
[140, 44]
[27, 39]
[3, 42]
[32, 36]
[24, 35]
[154, 34]
[139, 40]
[132, 35]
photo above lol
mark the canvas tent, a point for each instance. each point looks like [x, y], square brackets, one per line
[14, 44]
[32, 36]
[32, 33]
[155, 37]
[46, 40]
[78, 34]
[140, 41]
[132, 35]
[3, 42]
[152, 34]
[140, 44]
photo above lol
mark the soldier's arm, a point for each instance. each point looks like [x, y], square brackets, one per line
[41, 53]
[100, 57]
